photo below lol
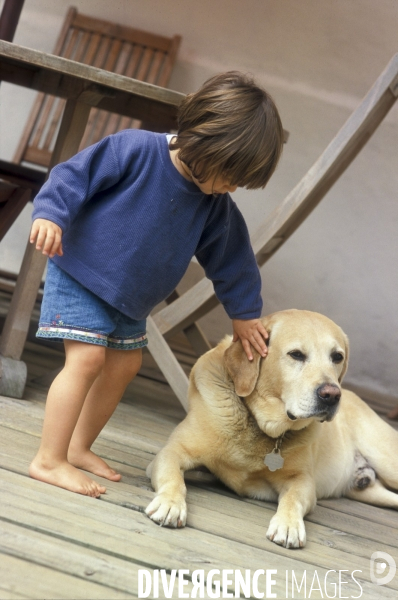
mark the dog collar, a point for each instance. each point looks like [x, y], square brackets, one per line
[273, 460]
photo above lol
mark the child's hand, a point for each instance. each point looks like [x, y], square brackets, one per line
[48, 237]
[251, 333]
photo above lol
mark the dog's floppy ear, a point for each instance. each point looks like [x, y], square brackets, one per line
[347, 352]
[244, 372]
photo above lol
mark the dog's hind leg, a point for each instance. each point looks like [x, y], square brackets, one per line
[375, 494]
[379, 445]
[366, 488]
[377, 441]
[364, 475]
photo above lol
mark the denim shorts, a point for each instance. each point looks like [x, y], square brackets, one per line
[71, 312]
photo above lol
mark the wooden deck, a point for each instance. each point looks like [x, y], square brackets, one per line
[55, 544]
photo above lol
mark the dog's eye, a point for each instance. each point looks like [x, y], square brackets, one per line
[297, 355]
[337, 357]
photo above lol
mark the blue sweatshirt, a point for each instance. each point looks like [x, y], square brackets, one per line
[131, 224]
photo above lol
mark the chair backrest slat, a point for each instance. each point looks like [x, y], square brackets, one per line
[122, 50]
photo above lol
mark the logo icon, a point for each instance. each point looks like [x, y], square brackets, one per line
[382, 568]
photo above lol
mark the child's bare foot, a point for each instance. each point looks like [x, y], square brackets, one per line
[66, 476]
[88, 461]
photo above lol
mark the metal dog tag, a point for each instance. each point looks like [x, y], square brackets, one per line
[274, 460]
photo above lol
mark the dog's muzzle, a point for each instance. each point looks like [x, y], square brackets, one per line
[327, 398]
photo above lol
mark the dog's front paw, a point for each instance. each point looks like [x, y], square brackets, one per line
[283, 533]
[167, 512]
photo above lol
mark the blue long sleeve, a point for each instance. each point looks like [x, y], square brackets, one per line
[71, 184]
[229, 262]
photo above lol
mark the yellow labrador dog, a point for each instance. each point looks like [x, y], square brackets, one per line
[279, 429]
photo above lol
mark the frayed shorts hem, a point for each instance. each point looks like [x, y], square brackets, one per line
[58, 334]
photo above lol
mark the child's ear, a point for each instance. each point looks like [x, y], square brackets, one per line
[243, 372]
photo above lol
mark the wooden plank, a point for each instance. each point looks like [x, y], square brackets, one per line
[126, 122]
[17, 322]
[23, 142]
[165, 413]
[129, 34]
[287, 217]
[20, 175]
[386, 516]
[37, 582]
[187, 309]
[11, 210]
[47, 103]
[71, 131]
[168, 64]
[155, 68]
[37, 156]
[111, 572]
[99, 62]
[7, 594]
[113, 119]
[167, 362]
[52, 124]
[62, 77]
[102, 116]
[30, 421]
[194, 332]
[92, 49]
[144, 64]
[146, 435]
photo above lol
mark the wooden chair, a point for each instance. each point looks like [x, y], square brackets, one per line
[283, 221]
[122, 50]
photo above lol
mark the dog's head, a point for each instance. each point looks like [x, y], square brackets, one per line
[299, 381]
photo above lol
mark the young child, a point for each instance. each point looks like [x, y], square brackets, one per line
[121, 221]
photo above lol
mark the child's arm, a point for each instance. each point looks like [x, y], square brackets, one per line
[251, 333]
[73, 183]
[48, 237]
[227, 256]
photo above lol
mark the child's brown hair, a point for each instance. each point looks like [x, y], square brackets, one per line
[231, 128]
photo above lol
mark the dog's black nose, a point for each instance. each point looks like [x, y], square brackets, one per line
[329, 394]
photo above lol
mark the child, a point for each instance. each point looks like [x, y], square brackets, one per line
[121, 221]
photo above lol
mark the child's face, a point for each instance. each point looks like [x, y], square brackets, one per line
[215, 185]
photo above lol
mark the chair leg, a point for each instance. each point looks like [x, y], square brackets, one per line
[167, 363]
[193, 333]
[23, 300]
[12, 208]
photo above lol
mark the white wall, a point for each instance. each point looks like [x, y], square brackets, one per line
[318, 58]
